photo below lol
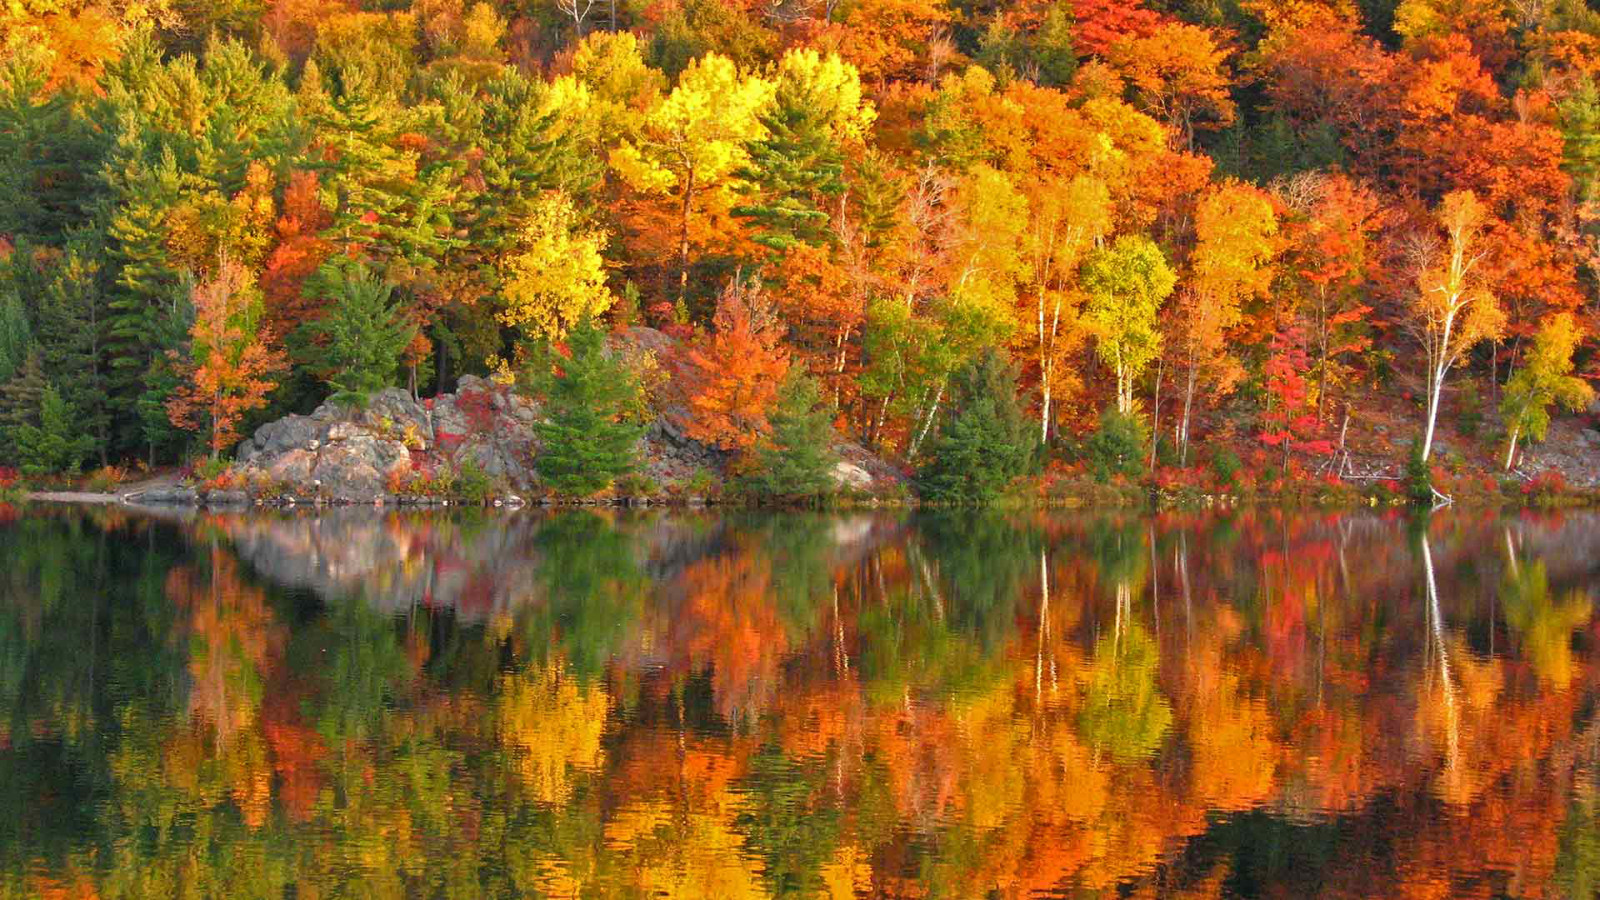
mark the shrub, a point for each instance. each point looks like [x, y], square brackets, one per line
[12, 487]
[1225, 465]
[473, 484]
[985, 441]
[205, 469]
[637, 485]
[1116, 447]
[105, 479]
[1545, 488]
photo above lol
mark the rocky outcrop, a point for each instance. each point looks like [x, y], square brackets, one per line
[397, 448]
[344, 454]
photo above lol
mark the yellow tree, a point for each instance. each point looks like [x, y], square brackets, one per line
[1065, 221]
[694, 141]
[1236, 229]
[1126, 284]
[1545, 378]
[1453, 309]
[555, 277]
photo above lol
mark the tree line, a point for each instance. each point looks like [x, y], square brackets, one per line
[1141, 227]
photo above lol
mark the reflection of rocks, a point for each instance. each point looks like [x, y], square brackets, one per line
[484, 564]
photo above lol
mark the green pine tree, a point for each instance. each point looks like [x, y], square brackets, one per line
[55, 444]
[69, 337]
[359, 339]
[797, 459]
[16, 335]
[591, 433]
[985, 441]
[20, 400]
[793, 171]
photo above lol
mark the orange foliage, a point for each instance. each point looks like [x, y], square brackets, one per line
[231, 368]
[734, 377]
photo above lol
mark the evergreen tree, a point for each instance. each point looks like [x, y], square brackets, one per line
[47, 155]
[794, 169]
[591, 434]
[1117, 445]
[360, 338]
[55, 444]
[71, 322]
[985, 441]
[16, 335]
[20, 400]
[797, 459]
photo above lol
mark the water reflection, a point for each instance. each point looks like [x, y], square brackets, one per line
[607, 704]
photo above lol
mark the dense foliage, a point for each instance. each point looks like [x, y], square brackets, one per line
[1136, 199]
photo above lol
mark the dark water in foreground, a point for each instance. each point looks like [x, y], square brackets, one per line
[716, 706]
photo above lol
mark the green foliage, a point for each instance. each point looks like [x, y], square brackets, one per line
[1117, 446]
[795, 170]
[1419, 477]
[360, 338]
[472, 484]
[1225, 465]
[15, 334]
[54, 444]
[796, 459]
[985, 441]
[1046, 55]
[588, 438]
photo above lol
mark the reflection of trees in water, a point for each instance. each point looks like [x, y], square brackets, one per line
[604, 704]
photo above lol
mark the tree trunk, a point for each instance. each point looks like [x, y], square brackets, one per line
[683, 237]
[1155, 414]
[1511, 446]
[928, 422]
[1188, 405]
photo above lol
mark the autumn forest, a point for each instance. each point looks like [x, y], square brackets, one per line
[1188, 241]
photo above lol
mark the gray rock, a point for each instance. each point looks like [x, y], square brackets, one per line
[227, 498]
[174, 496]
[850, 475]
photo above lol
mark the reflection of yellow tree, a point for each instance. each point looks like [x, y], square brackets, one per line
[1124, 711]
[1235, 756]
[1544, 622]
[552, 725]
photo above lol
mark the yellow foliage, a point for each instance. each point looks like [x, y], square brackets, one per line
[556, 276]
[552, 725]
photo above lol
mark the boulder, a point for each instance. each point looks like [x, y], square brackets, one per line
[851, 476]
[349, 454]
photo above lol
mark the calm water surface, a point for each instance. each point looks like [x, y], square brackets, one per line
[585, 704]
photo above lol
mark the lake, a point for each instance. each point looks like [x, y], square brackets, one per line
[724, 705]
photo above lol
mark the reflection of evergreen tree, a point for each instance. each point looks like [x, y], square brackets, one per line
[355, 650]
[984, 564]
[799, 546]
[594, 591]
[782, 822]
